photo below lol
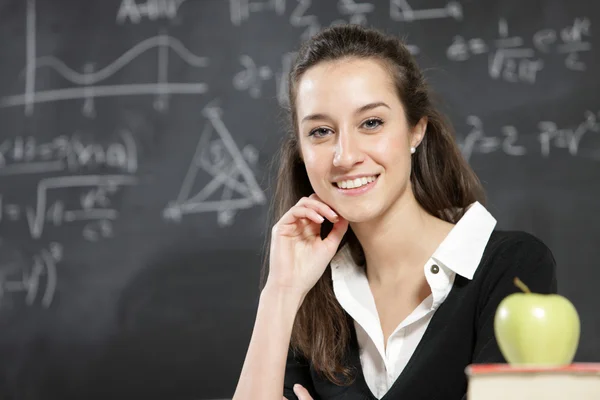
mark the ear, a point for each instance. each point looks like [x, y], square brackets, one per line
[418, 132]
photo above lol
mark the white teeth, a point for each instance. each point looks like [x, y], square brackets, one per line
[355, 183]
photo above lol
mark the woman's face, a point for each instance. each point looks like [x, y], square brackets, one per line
[354, 137]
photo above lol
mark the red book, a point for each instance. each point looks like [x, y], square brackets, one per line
[577, 381]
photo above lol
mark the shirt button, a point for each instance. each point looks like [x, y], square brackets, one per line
[435, 269]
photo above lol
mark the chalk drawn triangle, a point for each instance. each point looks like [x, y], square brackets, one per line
[219, 178]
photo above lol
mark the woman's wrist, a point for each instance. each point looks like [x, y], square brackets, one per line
[285, 295]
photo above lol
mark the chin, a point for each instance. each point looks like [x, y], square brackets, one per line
[357, 214]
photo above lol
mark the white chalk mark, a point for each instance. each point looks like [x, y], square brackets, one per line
[217, 205]
[107, 91]
[350, 7]
[190, 176]
[131, 147]
[30, 65]
[51, 278]
[213, 114]
[163, 70]
[251, 77]
[208, 189]
[299, 20]
[400, 10]
[29, 281]
[239, 10]
[152, 9]
[33, 168]
[89, 78]
[88, 105]
[229, 181]
[36, 218]
[125, 59]
[503, 27]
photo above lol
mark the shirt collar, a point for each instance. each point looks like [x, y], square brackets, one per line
[460, 251]
[463, 247]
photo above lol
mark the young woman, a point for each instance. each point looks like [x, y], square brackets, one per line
[385, 270]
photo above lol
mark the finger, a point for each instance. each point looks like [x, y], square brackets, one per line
[297, 213]
[336, 234]
[301, 392]
[320, 207]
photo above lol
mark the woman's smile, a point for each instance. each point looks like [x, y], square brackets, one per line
[356, 186]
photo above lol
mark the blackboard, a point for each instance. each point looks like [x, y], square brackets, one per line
[135, 143]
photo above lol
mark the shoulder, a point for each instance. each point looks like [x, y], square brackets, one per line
[512, 245]
[510, 254]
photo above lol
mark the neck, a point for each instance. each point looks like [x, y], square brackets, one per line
[398, 243]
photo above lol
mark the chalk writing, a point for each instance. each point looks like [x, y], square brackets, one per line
[400, 10]
[299, 19]
[94, 203]
[240, 9]
[251, 77]
[25, 155]
[150, 9]
[512, 61]
[549, 136]
[34, 278]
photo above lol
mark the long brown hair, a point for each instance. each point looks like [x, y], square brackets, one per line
[442, 181]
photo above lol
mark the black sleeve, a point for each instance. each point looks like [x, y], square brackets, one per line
[525, 257]
[297, 370]
[533, 263]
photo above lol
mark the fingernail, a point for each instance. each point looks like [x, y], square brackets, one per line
[296, 387]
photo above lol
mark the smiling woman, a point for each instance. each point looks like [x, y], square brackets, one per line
[384, 268]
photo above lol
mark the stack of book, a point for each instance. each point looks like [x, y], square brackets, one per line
[578, 381]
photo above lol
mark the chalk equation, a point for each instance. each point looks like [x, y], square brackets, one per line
[253, 77]
[88, 84]
[231, 183]
[512, 60]
[135, 11]
[93, 205]
[350, 11]
[549, 138]
[353, 12]
[28, 155]
[28, 280]
[72, 156]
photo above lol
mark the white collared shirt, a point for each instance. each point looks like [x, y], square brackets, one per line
[459, 253]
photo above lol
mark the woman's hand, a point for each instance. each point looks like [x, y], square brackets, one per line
[298, 255]
[301, 393]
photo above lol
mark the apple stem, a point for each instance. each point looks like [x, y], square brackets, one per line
[521, 285]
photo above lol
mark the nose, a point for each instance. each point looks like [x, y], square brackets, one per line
[347, 151]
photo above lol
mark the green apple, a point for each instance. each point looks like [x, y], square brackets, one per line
[534, 329]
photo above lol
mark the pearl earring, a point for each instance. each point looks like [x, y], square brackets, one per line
[412, 150]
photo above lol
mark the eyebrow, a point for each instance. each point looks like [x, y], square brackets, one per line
[366, 107]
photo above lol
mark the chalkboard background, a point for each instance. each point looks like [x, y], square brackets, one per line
[135, 142]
